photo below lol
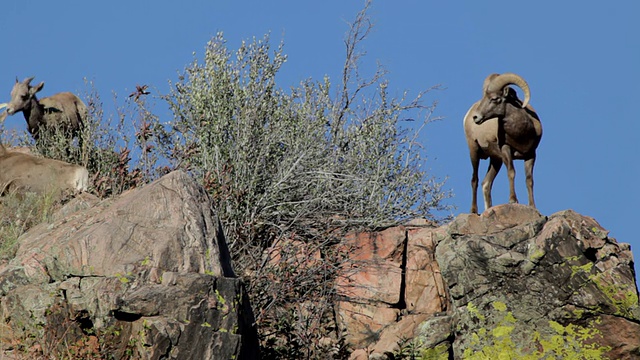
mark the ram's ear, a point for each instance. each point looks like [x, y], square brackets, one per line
[505, 91]
[35, 89]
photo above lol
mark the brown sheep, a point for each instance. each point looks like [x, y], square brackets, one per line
[502, 128]
[64, 111]
[25, 172]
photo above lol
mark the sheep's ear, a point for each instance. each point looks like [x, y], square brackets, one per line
[505, 91]
[36, 88]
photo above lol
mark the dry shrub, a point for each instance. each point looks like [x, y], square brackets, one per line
[293, 170]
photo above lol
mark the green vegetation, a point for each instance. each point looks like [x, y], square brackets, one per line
[19, 213]
[278, 163]
[414, 349]
[298, 166]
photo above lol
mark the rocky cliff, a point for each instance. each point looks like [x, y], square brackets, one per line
[146, 275]
[510, 283]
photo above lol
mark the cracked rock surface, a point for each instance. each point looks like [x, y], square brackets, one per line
[510, 283]
[520, 279]
[147, 272]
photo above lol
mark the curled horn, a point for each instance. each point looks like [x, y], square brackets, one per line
[487, 81]
[500, 81]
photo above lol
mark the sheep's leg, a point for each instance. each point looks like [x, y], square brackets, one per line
[528, 170]
[507, 158]
[475, 162]
[487, 183]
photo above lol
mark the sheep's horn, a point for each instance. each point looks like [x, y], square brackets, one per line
[499, 82]
[3, 105]
[488, 81]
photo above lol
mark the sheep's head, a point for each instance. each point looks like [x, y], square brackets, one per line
[22, 94]
[497, 94]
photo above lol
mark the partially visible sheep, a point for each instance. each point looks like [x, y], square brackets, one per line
[64, 111]
[502, 128]
[3, 114]
[25, 172]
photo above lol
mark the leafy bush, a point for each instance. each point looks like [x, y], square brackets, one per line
[278, 163]
[298, 167]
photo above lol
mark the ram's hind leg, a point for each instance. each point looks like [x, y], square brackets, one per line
[507, 158]
[487, 183]
[528, 170]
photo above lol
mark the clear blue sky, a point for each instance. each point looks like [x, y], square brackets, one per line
[581, 59]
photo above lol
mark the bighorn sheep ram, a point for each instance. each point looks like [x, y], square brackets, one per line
[502, 128]
[25, 172]
[63, 110]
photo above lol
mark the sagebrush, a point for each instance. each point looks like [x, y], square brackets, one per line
[299, 167]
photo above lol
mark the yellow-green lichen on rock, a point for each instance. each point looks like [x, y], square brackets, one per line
[625, 300]
[432, 340]
[525, 286]
[440, 352]
[506, 338]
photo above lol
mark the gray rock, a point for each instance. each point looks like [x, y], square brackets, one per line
[517, 280]
[95, 275]
[510, 283]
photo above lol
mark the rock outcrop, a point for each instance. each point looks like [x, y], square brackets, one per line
[145, 275]
[510, 283]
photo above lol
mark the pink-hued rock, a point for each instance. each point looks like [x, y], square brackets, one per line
[390, 271]
[374, 271]
[386, 244]
[365, 321]
[425, 291]
[621, 334]
[397, 332]
[509, 268]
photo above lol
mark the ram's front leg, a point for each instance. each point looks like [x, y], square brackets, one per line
[475, 162]
[507, 158]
